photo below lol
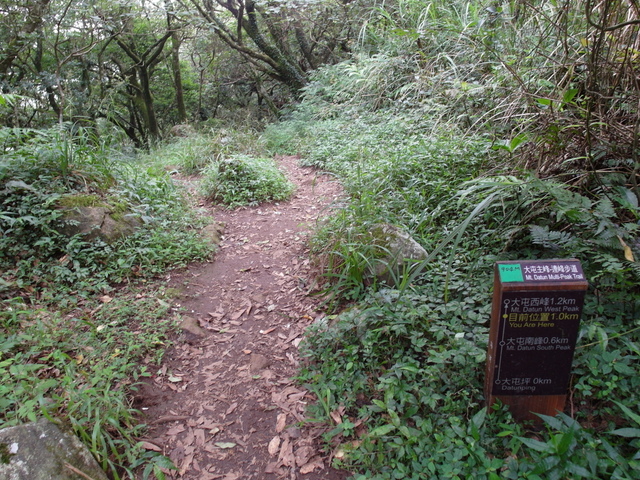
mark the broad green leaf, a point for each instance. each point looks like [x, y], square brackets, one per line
[632, 415]
[536, 444]
[627, 432]
[563, 444]
[631, 197]
[569, 95]
[479, 418]
[382, 430]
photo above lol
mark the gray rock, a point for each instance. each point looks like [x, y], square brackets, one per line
[41, 451]
[400, 249]
[98, 222]
[191, 325]
[182, 131]
[213, 232]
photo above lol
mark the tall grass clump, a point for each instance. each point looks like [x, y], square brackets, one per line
[191, 153]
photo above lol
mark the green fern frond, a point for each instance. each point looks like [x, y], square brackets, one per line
[541, 235]
[635, 269]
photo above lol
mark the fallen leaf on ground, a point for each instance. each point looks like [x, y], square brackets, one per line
[274, 446]
[316, 462]
[303, 454]
[225, 445]
[150, 446]
[176, 430]
[231, 408]
[281, 422]
[335, 415]
[286, 454]
[186, 464]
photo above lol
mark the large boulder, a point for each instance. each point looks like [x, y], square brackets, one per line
[98, 222]
[41, 451]
[399, 249]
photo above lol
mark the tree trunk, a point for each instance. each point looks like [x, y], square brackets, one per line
[142, 65]
[175, 62]
[150, 117]
[286, 68]
[177, 77]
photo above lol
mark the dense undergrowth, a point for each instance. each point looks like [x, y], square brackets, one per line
[487, 133]
[405, 365]
[479, 161]
[80, 316]
[83, 317]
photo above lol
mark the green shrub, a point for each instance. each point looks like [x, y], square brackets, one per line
[244, 180]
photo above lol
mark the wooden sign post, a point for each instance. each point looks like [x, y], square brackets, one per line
[534, 325]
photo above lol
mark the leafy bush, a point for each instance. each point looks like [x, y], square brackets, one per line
[42, 171]
[244, 180]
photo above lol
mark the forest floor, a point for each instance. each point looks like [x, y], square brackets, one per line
[224, 404]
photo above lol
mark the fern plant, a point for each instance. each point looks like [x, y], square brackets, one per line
[563, 223]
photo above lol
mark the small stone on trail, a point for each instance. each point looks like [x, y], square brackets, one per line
[190, 324]
[213, 232]
[257, 362]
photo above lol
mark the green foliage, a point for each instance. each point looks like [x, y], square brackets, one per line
[597, 227]
[404, 367]
[394, 173]
[191, 154]
[408, 369]
[81, 368]
[41, 174]
[245, 180]
[62, 355]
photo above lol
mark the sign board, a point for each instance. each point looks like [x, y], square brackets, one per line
[535, 319]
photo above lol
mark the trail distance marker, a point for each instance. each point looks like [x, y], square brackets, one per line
[535, 318]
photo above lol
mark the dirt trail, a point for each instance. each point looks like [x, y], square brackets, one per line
[223, 405]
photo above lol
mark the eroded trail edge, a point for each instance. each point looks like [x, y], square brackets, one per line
[223, 405]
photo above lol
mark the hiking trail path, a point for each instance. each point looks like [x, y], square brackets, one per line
[223, 404]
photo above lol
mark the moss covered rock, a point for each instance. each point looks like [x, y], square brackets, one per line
[93, 217]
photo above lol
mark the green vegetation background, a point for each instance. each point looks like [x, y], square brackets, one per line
[488, 132]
